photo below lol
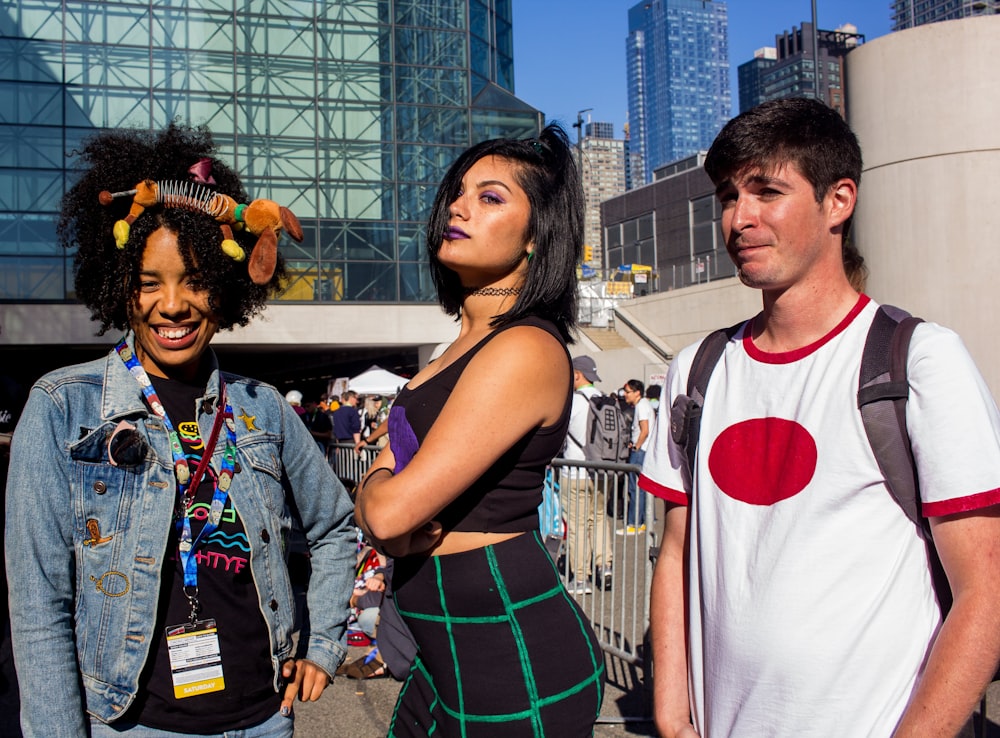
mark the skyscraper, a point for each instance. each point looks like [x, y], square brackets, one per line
[677, 62]
[346, 111]
[793, 71]
[910, 13]
[603, 176]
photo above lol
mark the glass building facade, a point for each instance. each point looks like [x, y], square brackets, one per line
[348, 112]
[910, 13]
[677, 61]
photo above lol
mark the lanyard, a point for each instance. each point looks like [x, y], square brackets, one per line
[187, 483]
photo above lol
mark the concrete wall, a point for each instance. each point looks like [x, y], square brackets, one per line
[280, 325]
[925, 105]
[681, 317]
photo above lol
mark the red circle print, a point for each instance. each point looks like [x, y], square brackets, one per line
[763, 461]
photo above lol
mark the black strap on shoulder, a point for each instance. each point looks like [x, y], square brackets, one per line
[882, 393]
[685, 416]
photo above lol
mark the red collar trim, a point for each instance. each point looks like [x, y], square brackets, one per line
[787, 357]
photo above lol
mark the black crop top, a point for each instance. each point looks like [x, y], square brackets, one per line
[505, 498]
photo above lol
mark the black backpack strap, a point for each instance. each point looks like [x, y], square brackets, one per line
[685, 414]
[882, 393]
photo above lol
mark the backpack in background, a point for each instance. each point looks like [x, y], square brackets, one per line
[608, 431]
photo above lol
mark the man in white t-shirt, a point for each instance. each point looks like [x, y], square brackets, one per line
[792, 596]
[642, 424]
[587, 536]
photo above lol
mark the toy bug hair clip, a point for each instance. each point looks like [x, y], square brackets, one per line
[263, 218]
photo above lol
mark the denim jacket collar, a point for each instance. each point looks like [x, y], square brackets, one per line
[122, 396]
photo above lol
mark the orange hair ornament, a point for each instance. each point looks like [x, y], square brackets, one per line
[263, 218]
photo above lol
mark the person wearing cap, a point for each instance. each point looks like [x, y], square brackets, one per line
[294, 398]
[587, 532]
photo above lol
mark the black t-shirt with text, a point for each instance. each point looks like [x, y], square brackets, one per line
[226, 593]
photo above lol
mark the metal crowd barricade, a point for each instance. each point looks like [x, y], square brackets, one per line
[619, 614]
[349, 465]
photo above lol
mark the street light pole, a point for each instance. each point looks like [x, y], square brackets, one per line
[579, 139]
[579, 156]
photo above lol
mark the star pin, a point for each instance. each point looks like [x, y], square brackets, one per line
[248, 420]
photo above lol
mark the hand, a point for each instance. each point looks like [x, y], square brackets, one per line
[304, 678]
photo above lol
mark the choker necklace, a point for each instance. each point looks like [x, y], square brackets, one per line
[495, 291]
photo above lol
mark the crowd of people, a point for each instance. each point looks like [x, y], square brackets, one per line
[152, 497]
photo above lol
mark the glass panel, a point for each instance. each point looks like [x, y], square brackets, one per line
[415, 200]
[500, 123]
[645, 226]
[425, 163]
[370, 281]
[279, 37]
[30, 190]
[355, 11]
[38, 19]
[437, 49]
[275, 76]
[270, 116]
[104, 108]
[111, 23]
[30, 61]
[264, 156]
[358, 241]
[480, 58]
[431, 86]
[37, 278]
[32, 146]
[344, 80]
[29, 234]
[355, 121]
[415, 284]
[412, 240]
[479, 20]
[431, 13]
[431, 125]
[192, 28]
[113, 66]
[341, 159]
[214, 111]
[360, 200]
[354, 43]
[30, 104]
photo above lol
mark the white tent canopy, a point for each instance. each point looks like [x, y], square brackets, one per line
[376, 381]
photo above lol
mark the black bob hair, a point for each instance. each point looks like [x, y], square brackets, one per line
[106, 276]
[545, 170]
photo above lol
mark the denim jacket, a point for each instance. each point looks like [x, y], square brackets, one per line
[85, 540]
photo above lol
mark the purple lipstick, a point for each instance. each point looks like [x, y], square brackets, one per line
[454, 233]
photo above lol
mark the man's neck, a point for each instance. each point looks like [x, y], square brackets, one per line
[802, 314]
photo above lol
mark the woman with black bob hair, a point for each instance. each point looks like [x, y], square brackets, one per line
[502, 647]
[154, 596]
[547, 174]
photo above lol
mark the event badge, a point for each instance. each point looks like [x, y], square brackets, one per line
[195, 658]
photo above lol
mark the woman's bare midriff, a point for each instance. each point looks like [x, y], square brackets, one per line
[459, 541]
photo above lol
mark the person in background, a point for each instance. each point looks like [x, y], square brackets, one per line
[588, 544]
[159, 598]
[346, 419]
[294, 398]
[319, 424]
[502, 647]
[642, 424]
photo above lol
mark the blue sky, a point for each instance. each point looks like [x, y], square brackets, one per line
[570, 54]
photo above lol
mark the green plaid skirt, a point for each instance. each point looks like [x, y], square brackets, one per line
[503, 649]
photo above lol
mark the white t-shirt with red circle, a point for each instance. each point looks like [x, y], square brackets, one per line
[811, 609]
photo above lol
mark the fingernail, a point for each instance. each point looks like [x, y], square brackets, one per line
[286, 710]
